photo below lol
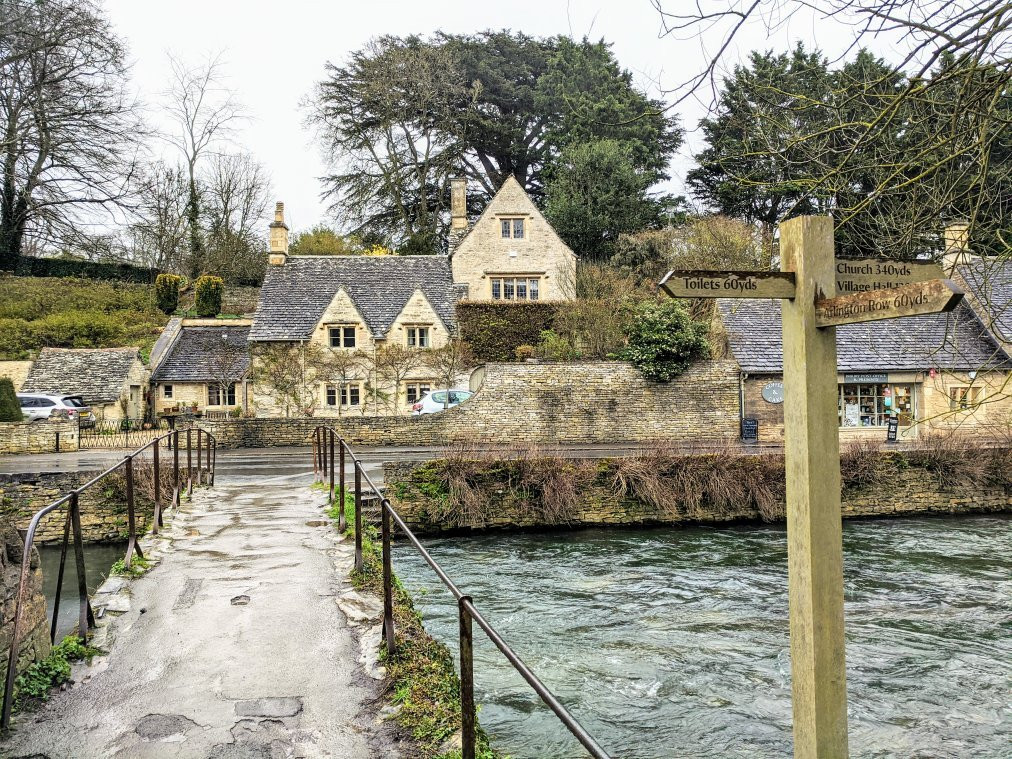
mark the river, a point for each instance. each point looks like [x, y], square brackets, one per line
[674, 642]
[98, 559]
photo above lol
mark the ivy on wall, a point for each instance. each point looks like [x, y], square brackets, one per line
[496, 329]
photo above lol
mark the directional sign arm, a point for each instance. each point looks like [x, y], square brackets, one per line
[936, 296]
[703, 283]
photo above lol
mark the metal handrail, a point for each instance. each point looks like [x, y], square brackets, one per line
[86, 619]
[325, 439]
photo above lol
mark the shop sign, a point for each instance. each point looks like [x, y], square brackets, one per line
[865, 379]
[773, 392]
[750, 430]
[892, 429]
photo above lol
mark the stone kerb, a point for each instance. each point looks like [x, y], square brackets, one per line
[591, 402]
[39, 437]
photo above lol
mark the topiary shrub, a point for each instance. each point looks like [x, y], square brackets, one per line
[167, 292]
[10, 406]
[664, 340]
[208, 293]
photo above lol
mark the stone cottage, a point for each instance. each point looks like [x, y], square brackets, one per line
[113, 381]
[341, 312]
[931, 372]
[205, 368]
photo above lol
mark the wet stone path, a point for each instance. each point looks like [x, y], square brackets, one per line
[233, 645]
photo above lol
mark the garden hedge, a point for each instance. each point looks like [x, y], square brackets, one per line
[496, 329]
[30, 266]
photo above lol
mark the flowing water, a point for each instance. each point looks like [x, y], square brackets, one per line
[673, 642]
[98, 559]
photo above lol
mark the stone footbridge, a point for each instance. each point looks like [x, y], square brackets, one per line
[233, 645]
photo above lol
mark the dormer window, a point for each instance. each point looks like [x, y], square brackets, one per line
[512, 229]
[342, 336]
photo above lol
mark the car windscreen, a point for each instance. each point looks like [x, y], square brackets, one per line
[75, 400]
[438, 397]
[459, 396]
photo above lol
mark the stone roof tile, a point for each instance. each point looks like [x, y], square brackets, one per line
[990, 284]
[99, 375]
[195, 355]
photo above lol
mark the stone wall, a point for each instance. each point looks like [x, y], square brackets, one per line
[594, 402]
[39, 437]
[907, 492]
[35, 626]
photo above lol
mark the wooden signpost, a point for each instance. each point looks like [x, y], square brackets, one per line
[812, 444]
[867, 274]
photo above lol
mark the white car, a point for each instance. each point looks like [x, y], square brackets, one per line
[36, 406]
[436, 400]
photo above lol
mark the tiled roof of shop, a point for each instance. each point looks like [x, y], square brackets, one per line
[198, 355]
[294, 296]
[956, 341]
[99, 375]
[990, 284]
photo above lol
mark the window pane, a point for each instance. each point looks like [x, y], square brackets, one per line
[331, 395]
[506, 228]
[518, 228]
[412, 393]
[496, 289]
[521, 289]
[167, 391]
[212, 395]
[353, 395]
[231, 394]
[335, 337]
[508, 289]
[423, 337]
[532, 288]
[411, 337]
[349, 337]
[423, 389]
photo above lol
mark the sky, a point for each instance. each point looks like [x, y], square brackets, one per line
[275, 52]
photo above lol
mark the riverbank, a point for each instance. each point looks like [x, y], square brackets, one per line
[472, 490]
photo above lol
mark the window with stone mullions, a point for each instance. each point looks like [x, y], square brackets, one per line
[515, 288]
[511, 228]
[418, 337]
[342, 336]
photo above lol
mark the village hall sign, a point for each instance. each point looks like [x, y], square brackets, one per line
[809, 285]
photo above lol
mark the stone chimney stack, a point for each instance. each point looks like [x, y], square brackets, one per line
[279, 237]
[957, 245]
[458, 203]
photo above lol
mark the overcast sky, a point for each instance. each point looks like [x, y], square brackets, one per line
[274, 52]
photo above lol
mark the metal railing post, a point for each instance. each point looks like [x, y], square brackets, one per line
[214, 460]
[388, 599]
[132, 545]
[330, 446]
[316, 455]
[156, 520]
[189, 461]
[358, 516]
[59, 577]
[200, 471]
[341, 523]
[175, 468]
[85, 619]
[467, 720]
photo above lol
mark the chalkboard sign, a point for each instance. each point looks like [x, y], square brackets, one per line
[892, 428]
[750, 430]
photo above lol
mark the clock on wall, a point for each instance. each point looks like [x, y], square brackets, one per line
[773, 392]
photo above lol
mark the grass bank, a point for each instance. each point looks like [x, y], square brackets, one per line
[422, 679]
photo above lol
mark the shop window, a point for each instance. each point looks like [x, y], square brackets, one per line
[516, 288]
[418, 337]
[965, 398]
[872, 405]
[342, 336]
[416, 390]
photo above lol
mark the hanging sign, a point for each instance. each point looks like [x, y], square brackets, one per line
[936, 296]
[773, 392]
[728, 284]
[868, 274]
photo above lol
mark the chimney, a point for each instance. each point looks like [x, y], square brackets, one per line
[279, 237]
[458, 203]
[957, 245]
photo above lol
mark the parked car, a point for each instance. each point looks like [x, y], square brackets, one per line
[436, 400]
[37, 406]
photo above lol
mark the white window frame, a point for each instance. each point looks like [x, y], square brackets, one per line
[508, 225]
[418, 335]
[346, 394]
[514, 284]
[419, 388]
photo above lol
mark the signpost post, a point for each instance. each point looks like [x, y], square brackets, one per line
[811, 439]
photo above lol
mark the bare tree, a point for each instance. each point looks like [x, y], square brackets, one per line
[69, 128]
[158, 237]
[206, 112]
[394, 364]
[339, 368]
[285, 373]
[227, 360]
[449, 362]
[236, 190]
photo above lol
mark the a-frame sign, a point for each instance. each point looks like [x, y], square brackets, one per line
[807, 285]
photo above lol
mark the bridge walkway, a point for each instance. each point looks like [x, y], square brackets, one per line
[232, 646]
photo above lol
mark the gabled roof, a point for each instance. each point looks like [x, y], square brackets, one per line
[989, 282]
[955, 341]
[99, 375]
[509, 199]
[197, 356]
[294, 296]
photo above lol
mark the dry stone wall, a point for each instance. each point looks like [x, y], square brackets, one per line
[34, 643]
[39, 437]
[908, 492]
[594, 402]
